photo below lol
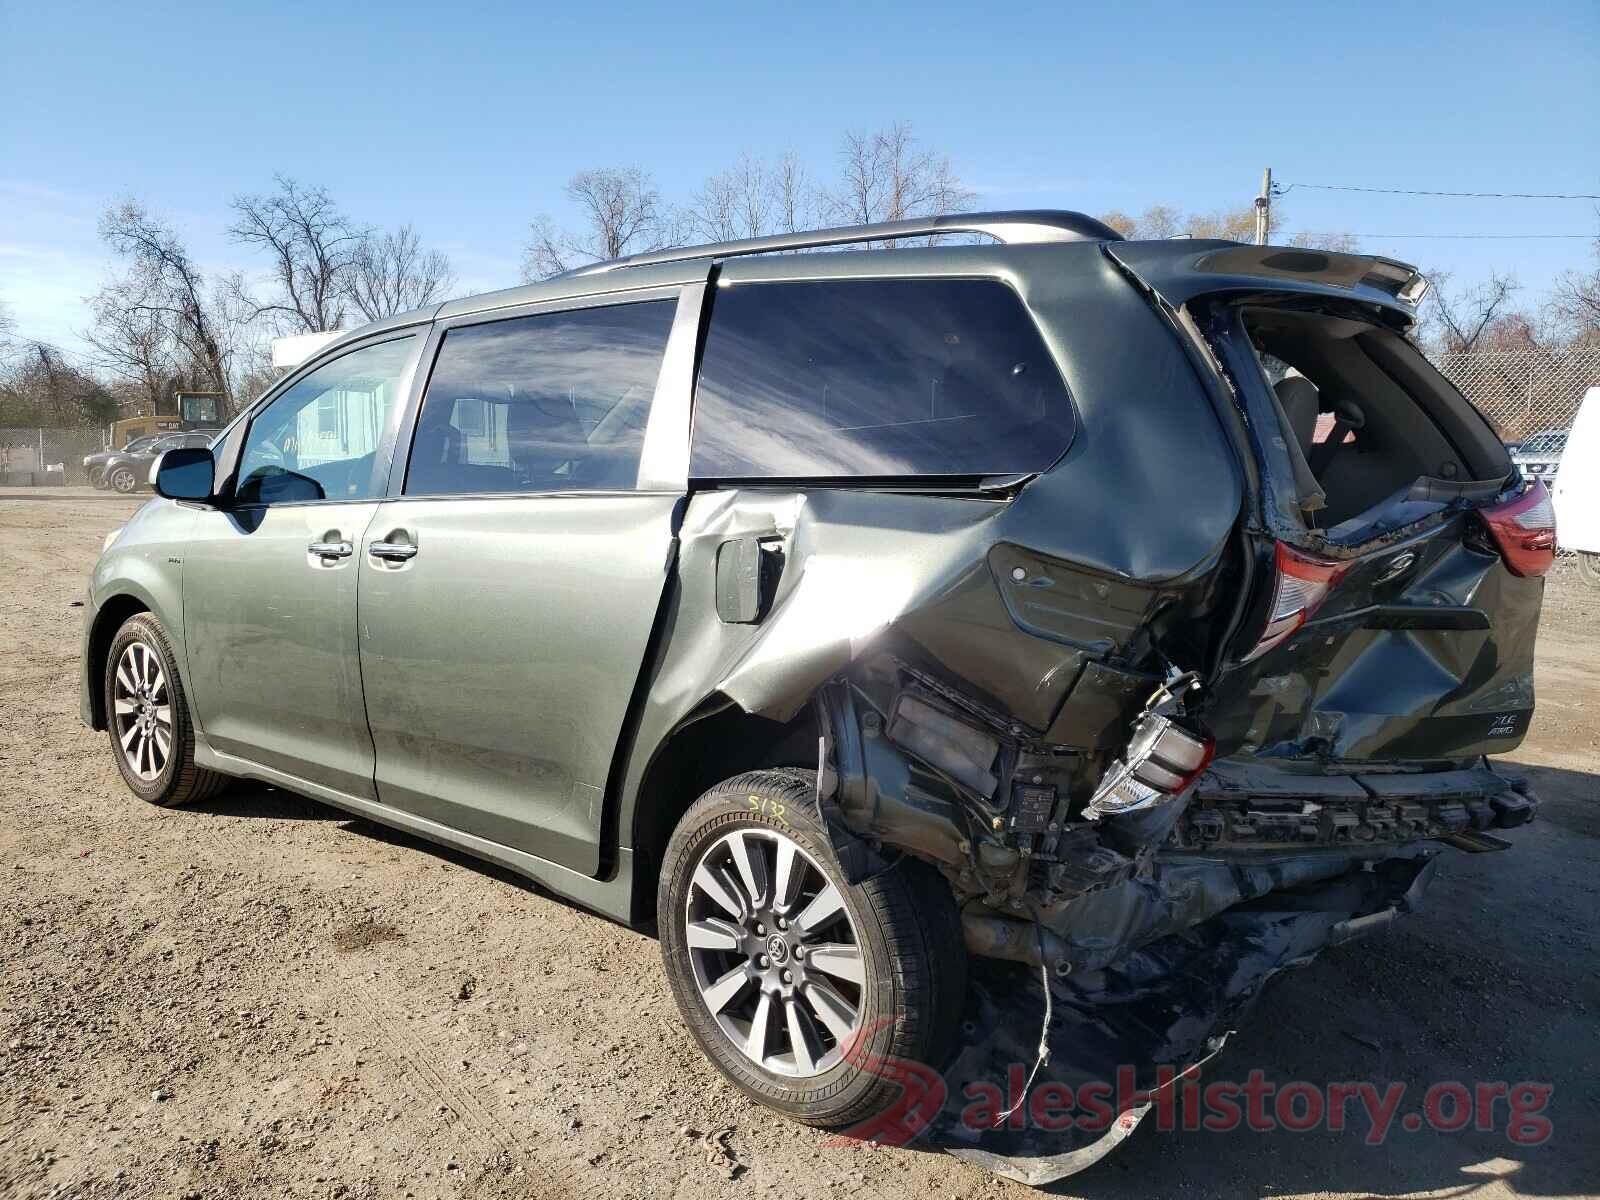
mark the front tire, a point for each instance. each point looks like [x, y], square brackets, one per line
[97, 478]
[794, 982]
[124, 480]
[147, 715]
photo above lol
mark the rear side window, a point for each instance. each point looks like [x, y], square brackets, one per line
[875, 378]
[551, 403]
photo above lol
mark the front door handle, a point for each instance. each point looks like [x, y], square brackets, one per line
[393, 551]
[331, 549]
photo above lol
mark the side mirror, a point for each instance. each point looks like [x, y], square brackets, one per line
[186, 473]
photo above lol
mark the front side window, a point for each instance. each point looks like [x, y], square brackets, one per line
[550, 403]
[318, 440]
[875, 378]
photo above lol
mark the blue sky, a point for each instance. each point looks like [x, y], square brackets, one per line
[466, 119]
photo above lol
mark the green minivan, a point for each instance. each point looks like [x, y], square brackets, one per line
[899, 632]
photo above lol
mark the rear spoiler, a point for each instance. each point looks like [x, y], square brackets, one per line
[1180, 270]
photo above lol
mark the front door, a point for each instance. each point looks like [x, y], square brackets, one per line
[270, 577]
[509, 592]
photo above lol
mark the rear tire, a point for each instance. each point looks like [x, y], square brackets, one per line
[147, 716]
[877, 968]
[1589, 568]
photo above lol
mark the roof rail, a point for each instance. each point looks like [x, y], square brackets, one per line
[1014, 227]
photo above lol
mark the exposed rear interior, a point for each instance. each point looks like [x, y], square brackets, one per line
[1370, 424]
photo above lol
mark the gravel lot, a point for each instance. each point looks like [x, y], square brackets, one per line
[263, 996]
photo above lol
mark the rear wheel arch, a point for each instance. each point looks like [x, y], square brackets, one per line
[697, 755]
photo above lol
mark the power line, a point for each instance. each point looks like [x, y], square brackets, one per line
[1341, 187]
[1463, 236]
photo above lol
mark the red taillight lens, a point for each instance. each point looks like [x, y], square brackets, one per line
[1525, 530]
[1302, 585]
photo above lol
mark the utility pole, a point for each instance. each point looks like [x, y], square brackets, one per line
[1264, 208]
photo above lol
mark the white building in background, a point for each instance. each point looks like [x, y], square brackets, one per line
[289, 352]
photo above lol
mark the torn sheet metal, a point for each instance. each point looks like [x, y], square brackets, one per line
[1168, 1004]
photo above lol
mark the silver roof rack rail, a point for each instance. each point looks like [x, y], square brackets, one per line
[1015, 227]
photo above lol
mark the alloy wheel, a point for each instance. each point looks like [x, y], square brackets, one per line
[775, 954]
[143, 711]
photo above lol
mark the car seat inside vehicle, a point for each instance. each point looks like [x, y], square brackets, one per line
[1368, 415]
[526, 442]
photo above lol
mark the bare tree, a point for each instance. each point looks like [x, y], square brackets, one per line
[1229, 224]
[736, 203]
[133, 341]
[391, 273]
[1161, 221]
[40, 388]
[9, 347]
[751, 199]
[1457, 320]
[312, 247]
[623, 213]
[163, 287]
[1155, 223]
[884, 176]
[1574, 302]
[794, 198]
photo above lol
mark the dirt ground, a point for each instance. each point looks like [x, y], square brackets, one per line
[262, 996]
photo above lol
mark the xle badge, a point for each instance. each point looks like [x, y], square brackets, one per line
[1504, 725]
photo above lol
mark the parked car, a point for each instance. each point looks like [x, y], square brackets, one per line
[991, 606]
[1539, 457]
[128, 469]
[94, 465]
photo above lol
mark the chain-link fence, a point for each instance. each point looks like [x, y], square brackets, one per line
[1524, 392]
[32, 456]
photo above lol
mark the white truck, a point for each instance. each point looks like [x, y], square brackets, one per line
[1577, 490]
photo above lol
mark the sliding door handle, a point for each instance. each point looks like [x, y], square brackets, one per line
[392, 551]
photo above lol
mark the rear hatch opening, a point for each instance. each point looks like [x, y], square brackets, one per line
[1376, 439]
[1399, 553]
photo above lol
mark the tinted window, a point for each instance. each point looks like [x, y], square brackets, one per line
[868, 378]
[550, 403]
[318, 440]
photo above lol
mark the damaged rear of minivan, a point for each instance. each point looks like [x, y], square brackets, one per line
[1182, 663]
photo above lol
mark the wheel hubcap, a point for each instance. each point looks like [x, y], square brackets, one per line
[143, 712]
[775, 955]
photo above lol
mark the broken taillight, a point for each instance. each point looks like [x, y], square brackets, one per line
[1525, 530]
[1303, 583]
[1162, 760]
